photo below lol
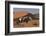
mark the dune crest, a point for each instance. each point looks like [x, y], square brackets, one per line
[20, 14]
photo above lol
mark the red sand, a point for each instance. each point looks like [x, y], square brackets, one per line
[20, 14]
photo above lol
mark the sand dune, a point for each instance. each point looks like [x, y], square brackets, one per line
[20, 14]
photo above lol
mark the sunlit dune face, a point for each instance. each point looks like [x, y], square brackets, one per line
[20, 14]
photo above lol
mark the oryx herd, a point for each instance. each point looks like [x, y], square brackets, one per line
[23, 19]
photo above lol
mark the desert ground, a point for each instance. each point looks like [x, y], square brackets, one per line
[33, 23]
